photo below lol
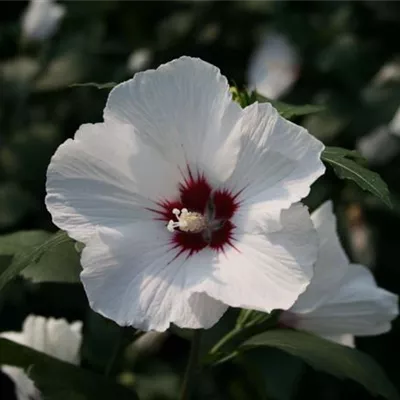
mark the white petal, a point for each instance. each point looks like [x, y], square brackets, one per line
[132, 277]
[264, 271]
[25, 388]
[64, 340]
[106, 177]
[55, 337]
[183, 108]
[394, 125]
[359, 307]
[273, 67]
[345, 339]
[276, 160]
[332, 263]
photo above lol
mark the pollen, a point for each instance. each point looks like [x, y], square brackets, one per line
[192, 222]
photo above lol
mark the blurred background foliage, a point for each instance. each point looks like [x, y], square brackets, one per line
[350, 63]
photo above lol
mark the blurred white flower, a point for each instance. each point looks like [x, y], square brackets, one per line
[381, 145]
[342, 300]
[41, 19]
[184, 201]
[394, 125]
[390, 72]
[55, 337]
[139, 60]
[274, 66]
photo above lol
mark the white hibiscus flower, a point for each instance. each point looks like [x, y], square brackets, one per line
[342, 300]
[41, 19]
[55, 337]
[179, 196]
[273, 67]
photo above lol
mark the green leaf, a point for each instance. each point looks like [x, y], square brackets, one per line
[22, 240]
[346, 164]
[290, 111]
[58, 264]
[99, 341]
[107, 85]
[340, 361]
[60, 380]
[248, 324]
[276, 373]
[34, 255]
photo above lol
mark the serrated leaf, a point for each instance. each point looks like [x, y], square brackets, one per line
[340, 361]
[32, 256]
[345, 164]
[107, 85]
[57, 379]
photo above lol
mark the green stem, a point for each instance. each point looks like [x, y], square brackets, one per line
[230, 342]
[192, 366]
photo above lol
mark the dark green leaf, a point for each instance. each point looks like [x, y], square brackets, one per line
[60, 380]
[340, 361]
[107, 85]
[276, 373]
[99, 341]
[249, 323]
[33, 256]
[290, 111]
[346, 165]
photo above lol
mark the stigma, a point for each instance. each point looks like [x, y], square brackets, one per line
[187, 221]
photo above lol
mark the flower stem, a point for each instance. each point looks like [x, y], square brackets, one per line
[192, 366]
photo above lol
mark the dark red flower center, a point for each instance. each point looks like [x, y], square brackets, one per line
[208, 212]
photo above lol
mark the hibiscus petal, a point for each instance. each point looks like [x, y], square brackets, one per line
[345, 339]
[132, 277]
[55, 337]
[276, 160]
[359, 307]
[263, 271]
[106, 177]
[183, 108]
[332, 263]
[25, 388]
